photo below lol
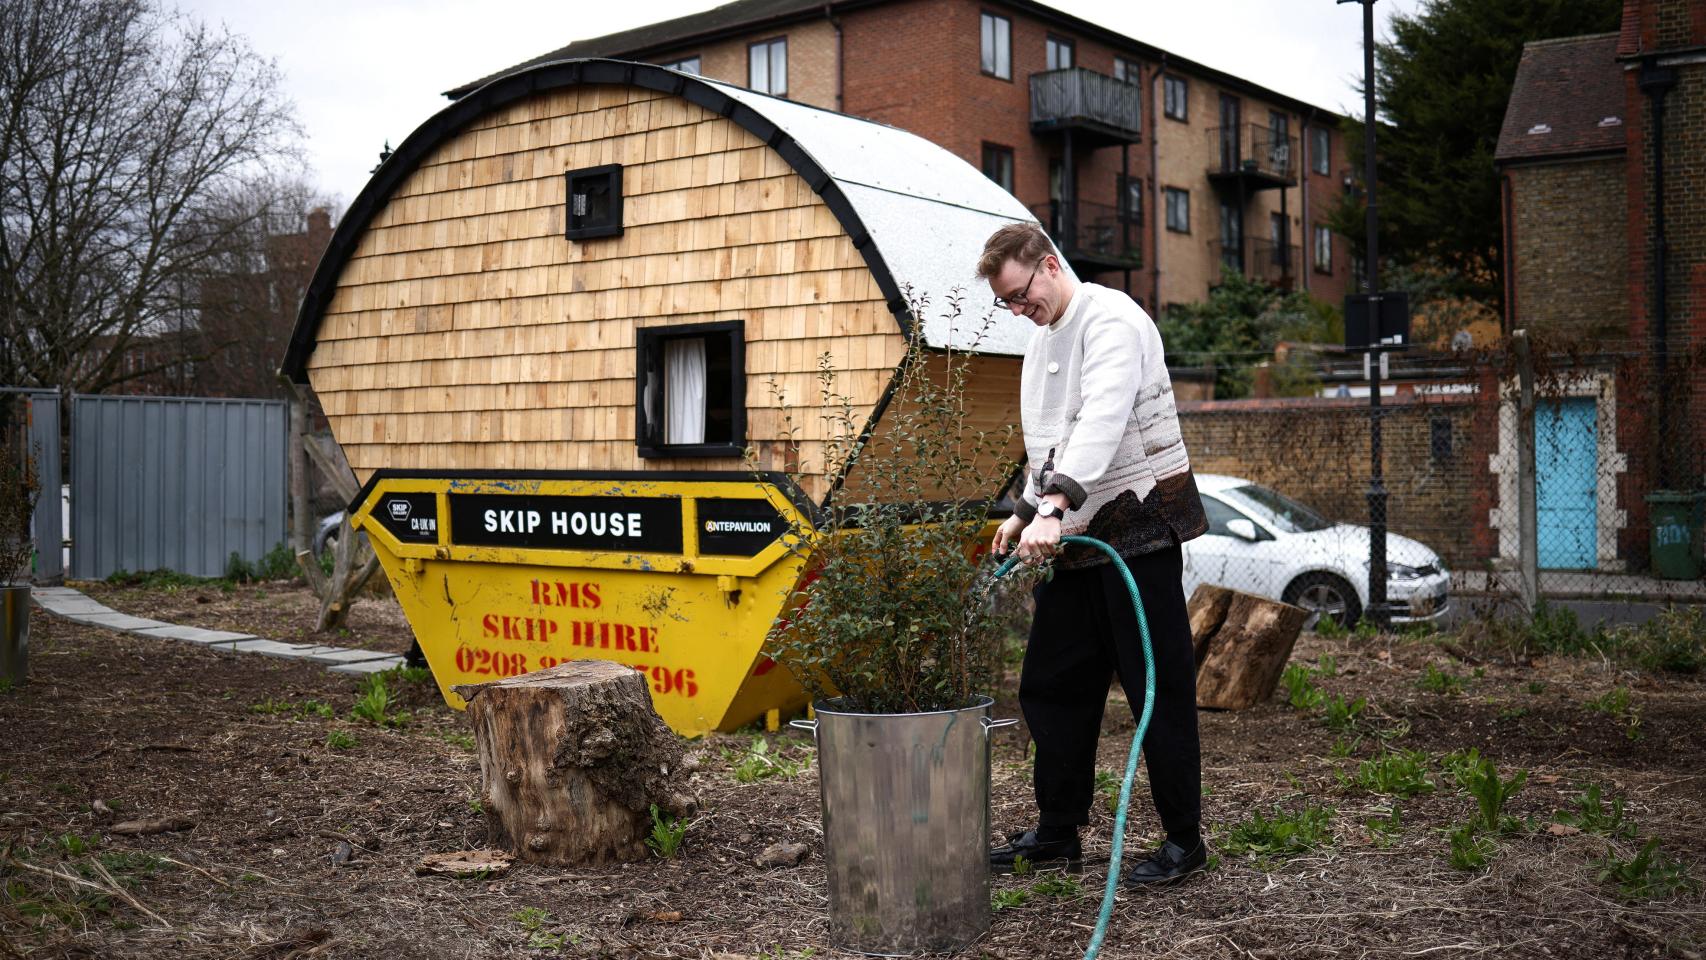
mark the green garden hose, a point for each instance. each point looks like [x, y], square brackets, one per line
[1136, 740]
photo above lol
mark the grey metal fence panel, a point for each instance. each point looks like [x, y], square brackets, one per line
[174, 483]
[49, 518]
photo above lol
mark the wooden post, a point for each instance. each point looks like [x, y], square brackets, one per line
[1242, 643]
[572, 758]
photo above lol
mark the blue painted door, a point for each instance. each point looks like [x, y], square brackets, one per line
[1566, 461]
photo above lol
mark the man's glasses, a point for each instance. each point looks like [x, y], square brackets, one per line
[1021, 298]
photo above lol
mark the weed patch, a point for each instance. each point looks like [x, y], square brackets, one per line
[1282, 835]
[1648, 875]
[1592, 814]
[1398, 773]
[667, 833]
[1435, 680]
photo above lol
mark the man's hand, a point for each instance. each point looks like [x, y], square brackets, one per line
[1040, 541]
[1007, 535]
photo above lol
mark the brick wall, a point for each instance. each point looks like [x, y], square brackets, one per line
[1570, 257]
[1317, 452]
[811, 60]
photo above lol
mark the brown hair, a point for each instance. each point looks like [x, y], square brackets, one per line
[1024, 242]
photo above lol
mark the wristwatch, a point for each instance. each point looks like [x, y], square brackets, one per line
[1046, 508]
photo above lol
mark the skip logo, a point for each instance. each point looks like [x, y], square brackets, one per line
[737, 526]
[399, 509]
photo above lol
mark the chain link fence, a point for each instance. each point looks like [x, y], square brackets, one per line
[1618, 480]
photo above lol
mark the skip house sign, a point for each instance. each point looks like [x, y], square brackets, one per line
[726, 527]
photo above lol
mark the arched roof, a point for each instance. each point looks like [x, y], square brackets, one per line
[917, 213]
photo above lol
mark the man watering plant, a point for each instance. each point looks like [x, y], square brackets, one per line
[1106, 461]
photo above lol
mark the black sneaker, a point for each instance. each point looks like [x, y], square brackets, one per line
[1169, 864]
[1053, 854]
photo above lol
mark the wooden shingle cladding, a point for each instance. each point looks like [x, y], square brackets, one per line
[465, 333]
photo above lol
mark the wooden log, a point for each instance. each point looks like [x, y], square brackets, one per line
[1242, 644]
[572, 758]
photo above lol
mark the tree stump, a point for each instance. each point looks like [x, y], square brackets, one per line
[571, 760]
[1242, 644]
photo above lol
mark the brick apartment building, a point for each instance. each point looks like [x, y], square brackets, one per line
[1602, 156]
[1151, 171]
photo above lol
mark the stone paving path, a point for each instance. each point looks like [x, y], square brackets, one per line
[74, 605]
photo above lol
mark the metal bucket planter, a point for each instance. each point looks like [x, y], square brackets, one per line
[905, 826]
[14, 631]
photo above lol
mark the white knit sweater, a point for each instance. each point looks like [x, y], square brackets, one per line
[1097, 404]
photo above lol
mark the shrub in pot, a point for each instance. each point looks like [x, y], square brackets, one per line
[892, 634]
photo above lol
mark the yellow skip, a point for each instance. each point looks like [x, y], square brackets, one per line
[679, 578]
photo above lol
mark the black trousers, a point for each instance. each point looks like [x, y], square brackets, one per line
[1084, 633]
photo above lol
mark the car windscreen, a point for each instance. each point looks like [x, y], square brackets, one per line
[1276, 509]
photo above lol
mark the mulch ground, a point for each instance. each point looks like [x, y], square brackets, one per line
[293, 847]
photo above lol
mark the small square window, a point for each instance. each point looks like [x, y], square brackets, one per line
[690, 392]
[1059, 53]
[1178, 210]
[997, 45]
[998, 165]
[767, 67]
[1126, 70]
[685, 65]
[1177, 95]
[594, 202]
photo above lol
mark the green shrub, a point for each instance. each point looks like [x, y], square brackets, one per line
[1592, 815]
[1399, 773]
[1301, 691]
[667, 833]
[1341, 716]
[1673, 641]
[1284, 834]
[758, 763]
[1469, 851]
[1648, 875]
[1438, 681]
[340, 740]
[1482, 782]
[1617, 704]
[374, 704]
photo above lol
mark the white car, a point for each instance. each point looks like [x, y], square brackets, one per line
[1262, 542]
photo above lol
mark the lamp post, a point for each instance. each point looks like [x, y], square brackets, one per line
[1376, 485]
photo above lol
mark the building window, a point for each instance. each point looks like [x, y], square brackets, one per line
[997, 46]
[998, 165]
[690, 398]
[594, 202]
[1323, 256]
[1130, 198]
[1320, 150]
[1059, 53]
[1439, 439]
[767, 66]
[1232, 235]
[685, 65]
[1127, 70]
[1177, 95]
[1279, 140]
[1178, 210]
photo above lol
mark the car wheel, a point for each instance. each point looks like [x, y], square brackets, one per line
[1324, 595]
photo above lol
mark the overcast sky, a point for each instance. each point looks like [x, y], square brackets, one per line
[362, 72]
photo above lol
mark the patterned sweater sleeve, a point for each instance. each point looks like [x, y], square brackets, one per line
[1108, 385]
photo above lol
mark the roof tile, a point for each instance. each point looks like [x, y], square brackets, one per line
[1568, 99]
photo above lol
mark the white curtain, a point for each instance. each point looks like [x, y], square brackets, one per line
[684, 390]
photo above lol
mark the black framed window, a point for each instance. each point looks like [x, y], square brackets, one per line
[997, 45]
[767, 66]
[594, 202]
[690, 393]
[1323, 249]
[1320, 150]
[1126, 70]
[1178, 210]
[1130, 198]
[1059, 53]
[998, 165]
[1232, 235]
[1176, 94]
[685, 65]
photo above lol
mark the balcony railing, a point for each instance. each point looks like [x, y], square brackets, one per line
[1255, 151]
[1100, 237]
[1084, 98]
[1258, 259]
